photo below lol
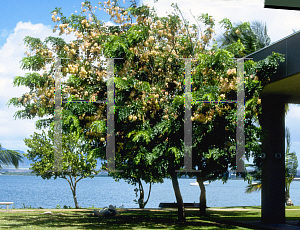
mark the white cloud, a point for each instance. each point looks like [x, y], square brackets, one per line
[279, 22]
[11, 53]
[14, 131]
[109, 23]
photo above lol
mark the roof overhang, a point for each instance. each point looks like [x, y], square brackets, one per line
[280, 4]
[286, 80]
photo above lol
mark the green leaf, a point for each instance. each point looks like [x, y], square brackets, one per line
[175, 151]
[138, 136]
[99, 126]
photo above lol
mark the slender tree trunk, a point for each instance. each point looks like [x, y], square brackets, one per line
[202, 196]
[73, 189]
[141, 199]
[148, 195]
[288, 190]
[181, 211]
[288, 200]
[74, 197]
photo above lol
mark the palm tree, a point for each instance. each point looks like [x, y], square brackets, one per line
[261, 32]
[291, 165]
[253, 187]
[252, 35]
[9, 157]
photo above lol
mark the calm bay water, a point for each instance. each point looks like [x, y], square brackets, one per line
[103, 191]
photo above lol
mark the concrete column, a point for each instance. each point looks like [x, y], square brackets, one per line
[273, 164]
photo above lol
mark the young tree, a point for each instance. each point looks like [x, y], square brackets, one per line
[291, 165]
[77, 158]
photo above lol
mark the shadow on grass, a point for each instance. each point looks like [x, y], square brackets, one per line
[127, 220]
[253, 215]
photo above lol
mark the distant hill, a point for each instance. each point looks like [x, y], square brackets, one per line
[24, 167]
[26, 163]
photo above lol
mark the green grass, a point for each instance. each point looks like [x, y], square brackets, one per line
[252, 213]
[292, 207]
[240, 207]
[255, 207]
[133, 219]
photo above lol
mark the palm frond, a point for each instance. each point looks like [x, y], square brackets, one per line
[253, 188]
[10, 157]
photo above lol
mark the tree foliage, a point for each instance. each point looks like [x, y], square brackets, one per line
[291, 165]
[149, 89]
[253, 36]
[9, 157]
[77, 157]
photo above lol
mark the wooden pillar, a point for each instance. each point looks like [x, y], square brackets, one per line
[273, 163]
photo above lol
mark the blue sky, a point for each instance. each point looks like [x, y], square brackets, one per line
[32, 17]
[35, 11]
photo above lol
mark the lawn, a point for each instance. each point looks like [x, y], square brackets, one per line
[130, 219]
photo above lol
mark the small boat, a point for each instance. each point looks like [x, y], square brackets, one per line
[196, 183]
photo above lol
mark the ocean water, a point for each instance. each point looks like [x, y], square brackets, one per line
[102, 191]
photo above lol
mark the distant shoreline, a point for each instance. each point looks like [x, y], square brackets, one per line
[33, 174]
[27, 172]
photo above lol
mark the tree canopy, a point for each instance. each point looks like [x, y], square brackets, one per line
[77, 157]
[253, 36]
[150, 96]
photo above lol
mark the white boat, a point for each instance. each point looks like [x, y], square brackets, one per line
[196, 183]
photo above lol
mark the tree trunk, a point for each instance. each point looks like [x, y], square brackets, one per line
[202, 196]
[181, 211]
[141, 199]
[288, 200]
[73, 188]
[148, 195]
[74, 197]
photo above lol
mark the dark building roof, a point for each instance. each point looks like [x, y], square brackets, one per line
[286, 80]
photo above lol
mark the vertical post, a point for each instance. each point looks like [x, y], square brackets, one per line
[187, 117]
[57, 118]
[110, 147]
[188, 125]
[273, 163]
[240, 133]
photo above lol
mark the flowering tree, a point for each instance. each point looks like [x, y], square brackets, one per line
[214, 135]
[149, 90]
